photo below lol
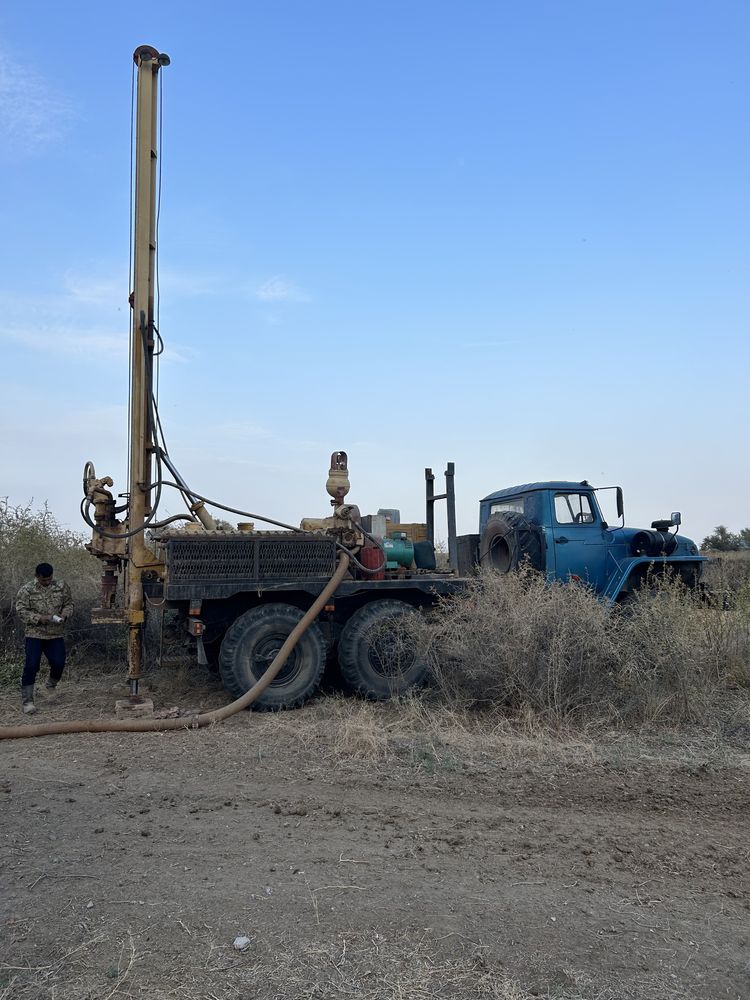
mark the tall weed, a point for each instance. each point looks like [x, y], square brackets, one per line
[727, 575]
[555, 651]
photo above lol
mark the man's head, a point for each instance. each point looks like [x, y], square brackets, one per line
[43, 574]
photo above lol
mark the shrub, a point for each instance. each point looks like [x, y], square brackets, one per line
[556, 651]
[727, 574]
[28, 537]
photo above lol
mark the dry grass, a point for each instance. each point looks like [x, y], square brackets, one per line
[555, 652]
[203, 965]
[422, 733]
[729, 573]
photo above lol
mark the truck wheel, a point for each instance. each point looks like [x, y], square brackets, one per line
[251, 644]
[508, 540]
[376, 658]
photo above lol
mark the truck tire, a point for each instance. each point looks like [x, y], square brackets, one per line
[377, 662]
[252, 642]
[508, 540]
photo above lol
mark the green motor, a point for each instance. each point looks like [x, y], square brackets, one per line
[399, 551]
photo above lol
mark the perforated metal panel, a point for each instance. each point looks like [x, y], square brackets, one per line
[210, 559]
[295, 560]
[246, 561]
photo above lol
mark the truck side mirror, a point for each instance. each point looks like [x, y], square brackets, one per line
[620, 503]
[676, 518]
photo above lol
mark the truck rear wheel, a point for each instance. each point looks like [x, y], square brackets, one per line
[508, 540]
[252, 642]
[376, 657]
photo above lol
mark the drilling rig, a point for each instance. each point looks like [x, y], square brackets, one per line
[238, 594]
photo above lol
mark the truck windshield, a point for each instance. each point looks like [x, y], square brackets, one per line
[573, 508]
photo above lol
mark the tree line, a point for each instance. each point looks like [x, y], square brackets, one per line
[724, 540]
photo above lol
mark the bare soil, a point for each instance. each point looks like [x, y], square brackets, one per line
[373, 851]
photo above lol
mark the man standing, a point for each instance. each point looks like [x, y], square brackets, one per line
[44, 605]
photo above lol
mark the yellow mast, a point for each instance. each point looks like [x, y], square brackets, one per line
[149, 61]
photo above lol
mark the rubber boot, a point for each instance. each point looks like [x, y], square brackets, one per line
[50, 684]
[27, 699]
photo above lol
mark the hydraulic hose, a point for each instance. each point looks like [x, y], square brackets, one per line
[229, 510]
[196, 721]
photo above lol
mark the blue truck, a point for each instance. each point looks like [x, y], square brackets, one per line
[558, 528]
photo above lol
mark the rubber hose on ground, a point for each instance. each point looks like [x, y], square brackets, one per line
[196, 721]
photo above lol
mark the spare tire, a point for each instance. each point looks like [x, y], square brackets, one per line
[653, 543]
[508, 540]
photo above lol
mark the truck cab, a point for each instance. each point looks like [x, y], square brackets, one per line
[559, 529]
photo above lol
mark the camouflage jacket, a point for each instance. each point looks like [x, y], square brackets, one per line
[33, 601]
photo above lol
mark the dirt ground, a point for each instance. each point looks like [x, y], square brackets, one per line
[372, 851]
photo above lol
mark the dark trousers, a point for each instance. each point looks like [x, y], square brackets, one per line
[53, 649]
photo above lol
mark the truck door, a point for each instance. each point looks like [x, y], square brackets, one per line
[580, 549]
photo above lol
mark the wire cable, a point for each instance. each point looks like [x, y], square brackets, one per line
[234, 510]
[130, 260]
[160, 153]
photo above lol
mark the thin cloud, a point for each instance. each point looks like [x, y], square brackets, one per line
[278, 289]
[91, 346]
[239, 430]
[111, 288]
[31, 113]
[178, 353]
[75, 421]
[62, 341]
[271, 319]
[489, 343]
[96, 291]
[193, 283]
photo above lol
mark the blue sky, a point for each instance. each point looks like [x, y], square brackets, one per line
[509, 235]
